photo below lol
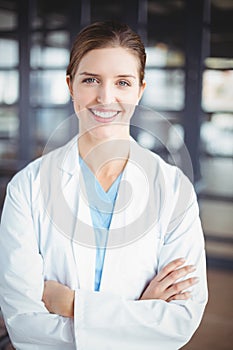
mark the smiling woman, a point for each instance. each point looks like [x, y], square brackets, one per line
[100, 238]
[102, 93]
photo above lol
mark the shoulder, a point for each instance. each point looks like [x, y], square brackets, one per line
[155, 165]
[40, 169]
[169, 179]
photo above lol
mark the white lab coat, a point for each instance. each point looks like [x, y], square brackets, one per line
[46, 234]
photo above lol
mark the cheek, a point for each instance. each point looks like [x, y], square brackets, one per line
[132, 97]
[80, 101]
[84, 98]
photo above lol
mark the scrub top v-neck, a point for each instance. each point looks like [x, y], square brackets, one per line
[101, 204]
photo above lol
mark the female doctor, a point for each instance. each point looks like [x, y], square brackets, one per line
[100, 238]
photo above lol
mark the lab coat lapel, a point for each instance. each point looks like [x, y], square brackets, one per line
[128, 221]
[83, 239]
[129, 214]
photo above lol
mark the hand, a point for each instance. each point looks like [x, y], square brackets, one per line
[163, 285]
[58, 299]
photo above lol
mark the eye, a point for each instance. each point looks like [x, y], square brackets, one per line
[90, 80]
[123, 83]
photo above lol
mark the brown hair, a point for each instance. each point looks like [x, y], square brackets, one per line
[102, 35]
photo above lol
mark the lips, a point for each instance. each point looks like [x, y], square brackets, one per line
[104, 116]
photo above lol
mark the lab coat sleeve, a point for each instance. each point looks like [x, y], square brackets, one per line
[106, 321]
[28, 322]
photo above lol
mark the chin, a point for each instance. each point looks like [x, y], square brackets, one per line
[103, 132]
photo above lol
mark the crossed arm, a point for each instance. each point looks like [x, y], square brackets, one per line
[59, 299]
[33, 309]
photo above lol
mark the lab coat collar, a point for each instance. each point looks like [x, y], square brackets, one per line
[70, 157]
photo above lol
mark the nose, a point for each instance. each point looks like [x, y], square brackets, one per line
[105, 94]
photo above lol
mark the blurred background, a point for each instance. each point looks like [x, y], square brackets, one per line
[189, 78]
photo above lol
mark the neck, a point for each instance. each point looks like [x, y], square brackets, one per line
[106, 157]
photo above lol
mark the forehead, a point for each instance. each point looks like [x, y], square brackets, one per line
[112, 60]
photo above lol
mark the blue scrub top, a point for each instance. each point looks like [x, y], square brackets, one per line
[101, 205]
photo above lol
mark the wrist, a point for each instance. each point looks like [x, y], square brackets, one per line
[71, 303]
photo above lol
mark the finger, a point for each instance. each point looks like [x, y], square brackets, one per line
[180, 296]
[169, 268]
[176, 275]
[180, 287]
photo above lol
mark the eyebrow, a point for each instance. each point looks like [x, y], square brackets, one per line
[92, 74]
[118, 76]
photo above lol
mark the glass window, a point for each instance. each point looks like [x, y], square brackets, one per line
[8, 20]
[164, 90]
[9, 122]
[8, 151]
[8, 87]
[162, 55]
[217, 94]
[49, 57]
[166, 22]
[51, 14]
[219, 63]
[217, 135]
[49, 87]
[221, 182]
[51, 122]
[56, 38]
[9, 53]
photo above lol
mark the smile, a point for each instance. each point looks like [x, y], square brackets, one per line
[104, 115]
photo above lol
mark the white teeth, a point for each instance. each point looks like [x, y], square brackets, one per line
[104, 114]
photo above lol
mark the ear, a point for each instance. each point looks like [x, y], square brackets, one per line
[69, 83]
[141, 90]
